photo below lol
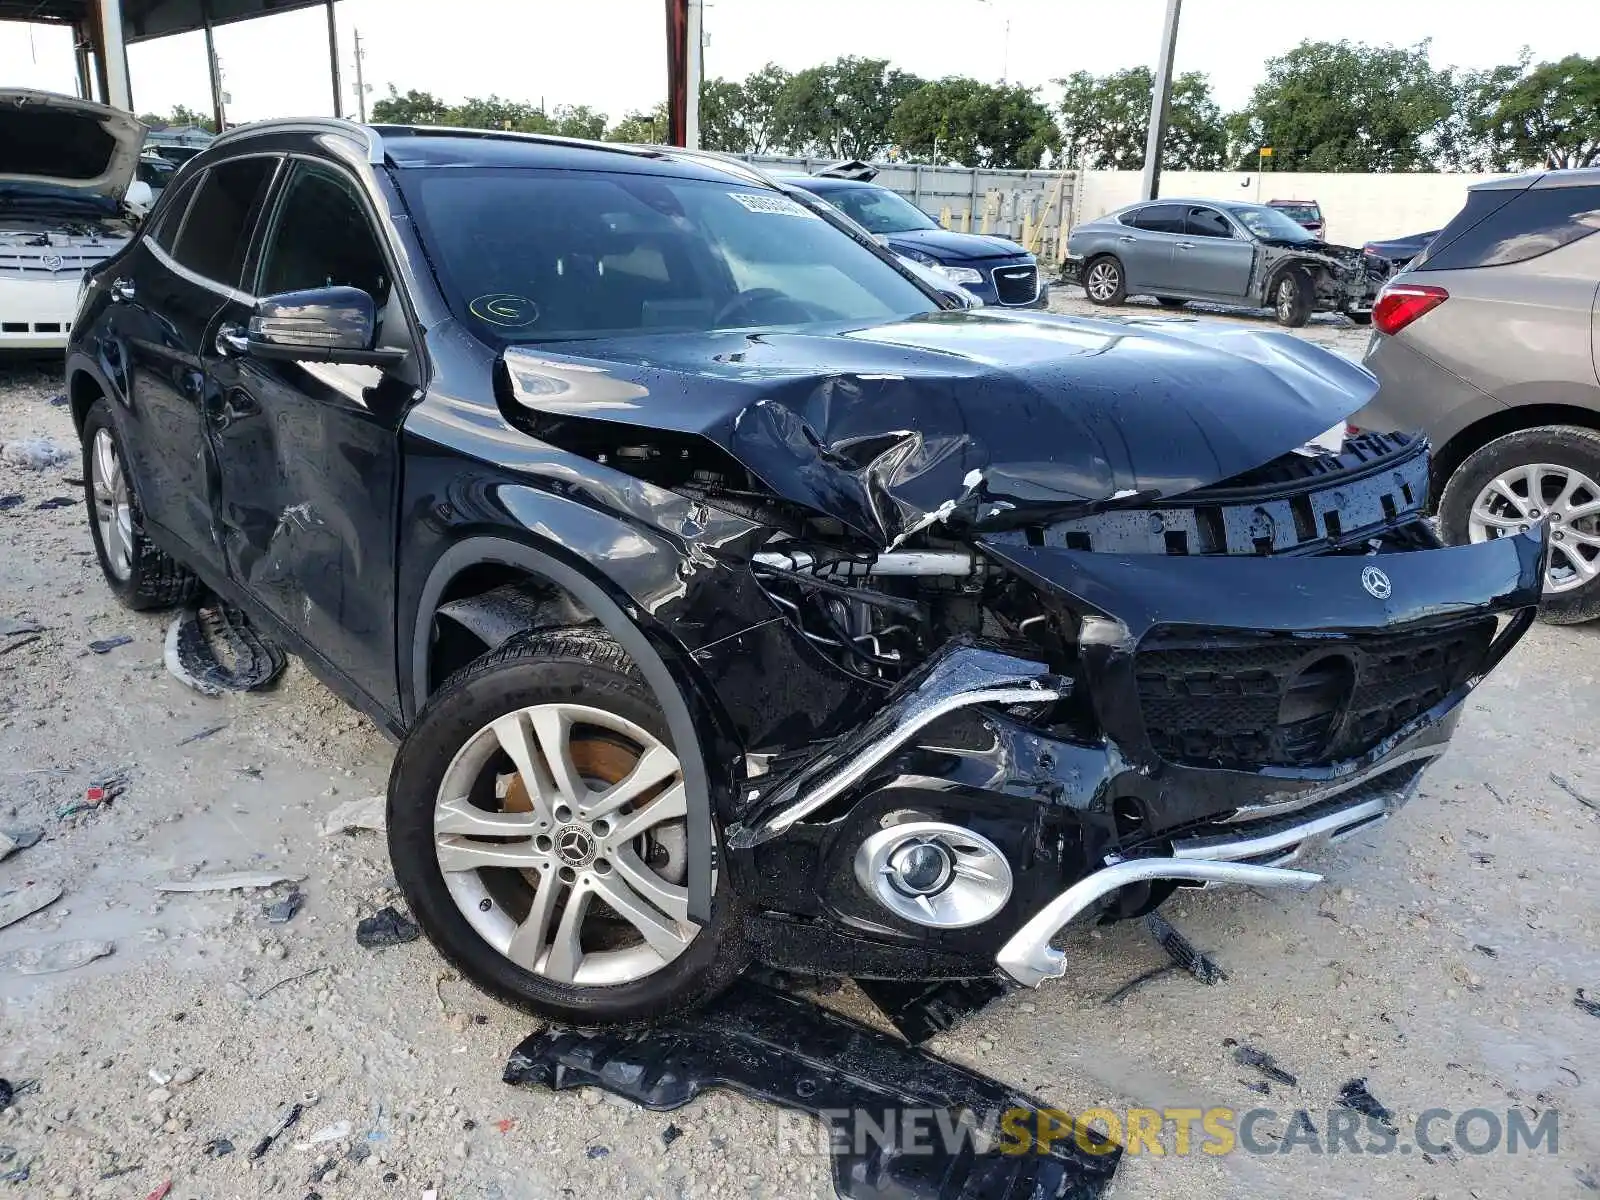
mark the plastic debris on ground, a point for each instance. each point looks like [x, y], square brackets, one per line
[1182, 951]
[281, 911]
[1355, 1096]
[1574, 792]
[161, 1191]
[922, 1010]
[56, 502]
[27, 900]
[338, 1131]
[368, 813]
[10, 500]
[771, 1046]
[38, 454]
[107, 645]
[58, 956]
[228, 881]
[11, 626]
[213, 649]
[217, 1147]
[286, 1118]
[1587, 1003]
[200, 735]
[18, 837]
[386, 927]
[1249, 1056]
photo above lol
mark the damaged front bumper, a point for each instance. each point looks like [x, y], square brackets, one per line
[1224, 717]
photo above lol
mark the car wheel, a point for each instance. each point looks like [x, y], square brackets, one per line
[140, 575]
[1549, 473]
[538, 829]
[1291, 298]
[1170, 302]
[1104, 282]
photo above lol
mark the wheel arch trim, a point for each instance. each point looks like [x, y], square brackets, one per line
[480, 550]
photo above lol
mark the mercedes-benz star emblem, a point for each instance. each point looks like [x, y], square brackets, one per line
[575, 846]
[51, 262]
[1376, 582]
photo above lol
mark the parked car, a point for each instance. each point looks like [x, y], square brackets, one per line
[1305, 213]
[996, 270]
[1231, 253]
[68, 201]
[155, 171]
[736, 596]
[1398, 252]
[1489, 344]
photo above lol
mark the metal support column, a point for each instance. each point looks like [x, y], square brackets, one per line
[333, 62]
[1160, 101]
[114, 57]
[219, 116]
[695, 62]
[81, 44]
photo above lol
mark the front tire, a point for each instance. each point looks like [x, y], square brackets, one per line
[537, 827]
[142, 576]
[1104, 280]
[1547, 473]
[1292, 296]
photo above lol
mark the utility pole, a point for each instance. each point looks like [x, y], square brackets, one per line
[333, 62]
[695, 63]
[361, 85]
[1160, 100]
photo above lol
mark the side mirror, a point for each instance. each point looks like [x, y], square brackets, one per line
[331, 324]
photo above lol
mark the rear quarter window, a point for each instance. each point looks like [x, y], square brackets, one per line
[1499, 227]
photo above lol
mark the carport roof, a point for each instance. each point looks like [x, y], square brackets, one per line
[143, 19]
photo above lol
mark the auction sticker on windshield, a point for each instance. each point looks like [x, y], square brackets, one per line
[780, 206]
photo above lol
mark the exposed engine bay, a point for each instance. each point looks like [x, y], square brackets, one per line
[1343, 278]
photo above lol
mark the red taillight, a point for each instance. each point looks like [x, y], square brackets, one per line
[1402, 303]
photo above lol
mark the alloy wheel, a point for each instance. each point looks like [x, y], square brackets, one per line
[1102, 282]
[1287, 295]
[113, 508]
[1569, 499]
[560, 831]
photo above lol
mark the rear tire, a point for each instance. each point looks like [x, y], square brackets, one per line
[141, 576]
[601, 968]
[1563, 463]
[1104, 280]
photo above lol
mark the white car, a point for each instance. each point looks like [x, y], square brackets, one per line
[68, 201]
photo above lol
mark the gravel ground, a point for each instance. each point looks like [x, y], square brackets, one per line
[1440, 961]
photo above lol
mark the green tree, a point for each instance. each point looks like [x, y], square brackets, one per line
[1343, 106]
[842, 108]
[491, 112]
[1550, 116]
[722, 105]
[641, 128]
[413, 108]
[579, 121]
[976, 124]
[181, 115]
[1104, 121]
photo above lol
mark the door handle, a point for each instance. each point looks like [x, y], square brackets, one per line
[122, 289]
[232, 341]
[1185, 246]
[1127, 237]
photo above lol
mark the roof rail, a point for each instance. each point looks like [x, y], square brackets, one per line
[365, 134]
[514, 135]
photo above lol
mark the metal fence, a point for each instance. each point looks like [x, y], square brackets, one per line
[1029, 207]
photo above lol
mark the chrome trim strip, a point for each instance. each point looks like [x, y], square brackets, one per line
[857, 768]
[194, 277]
[1293, 839]
[368, 137]
[1260, 812]
[1030, 959]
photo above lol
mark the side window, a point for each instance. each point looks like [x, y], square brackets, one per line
[1131, 217]
[1208, 222]
[1161, 218]
[170, 217]
[1492, 231]
[217, 232]
[321, 237]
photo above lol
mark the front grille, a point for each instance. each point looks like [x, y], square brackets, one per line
[1016, 285]
[1240, 700]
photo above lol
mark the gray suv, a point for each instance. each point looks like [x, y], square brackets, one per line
[1489, 342]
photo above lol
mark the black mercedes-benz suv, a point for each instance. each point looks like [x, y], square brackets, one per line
[734, 597]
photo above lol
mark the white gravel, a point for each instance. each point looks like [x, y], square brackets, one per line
[147, 1057]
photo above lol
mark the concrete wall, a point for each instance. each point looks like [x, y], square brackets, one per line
[1357, 208]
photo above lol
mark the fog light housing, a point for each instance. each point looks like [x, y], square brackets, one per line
[935, 874]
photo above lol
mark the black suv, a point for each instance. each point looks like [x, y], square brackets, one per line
[734, 597]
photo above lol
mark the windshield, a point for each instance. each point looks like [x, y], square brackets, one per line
[537, 256]
[1270, 223]
[1299, 212]
[878, 210]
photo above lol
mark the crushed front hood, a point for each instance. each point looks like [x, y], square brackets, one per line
[982, 419]
[53, 146]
